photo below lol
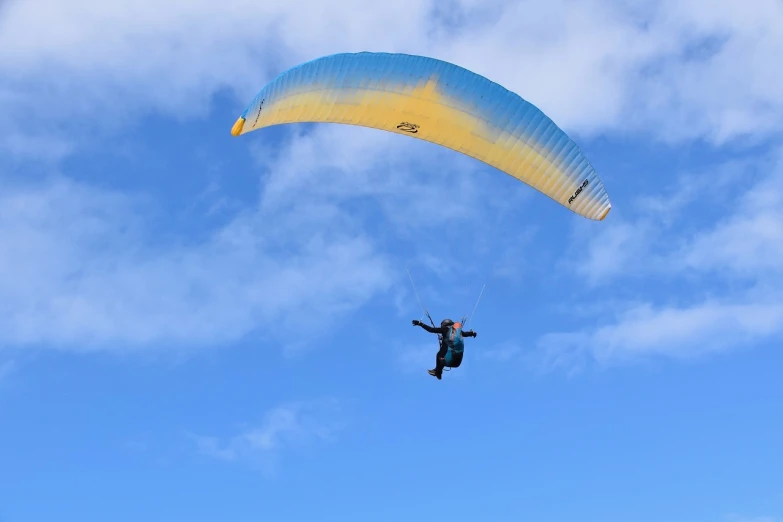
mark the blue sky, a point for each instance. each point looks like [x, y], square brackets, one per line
[198, 327]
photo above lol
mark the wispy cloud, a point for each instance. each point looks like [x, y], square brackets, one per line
[664, 68]
[649, 236]
[749, 241]
[82, 269]
[288, 425]
[677, 332]
[726, 272]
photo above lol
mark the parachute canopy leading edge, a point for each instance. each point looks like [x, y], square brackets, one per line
[438, 102]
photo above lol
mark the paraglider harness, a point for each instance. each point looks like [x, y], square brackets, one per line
[454, 340]
[455, 346]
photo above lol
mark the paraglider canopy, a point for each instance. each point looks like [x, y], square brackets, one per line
[438, 102]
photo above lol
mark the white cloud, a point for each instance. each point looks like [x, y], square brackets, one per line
[665, 67]
[350, 164]
[288, 425]
[722, 84]
[727, 274]
[81, 269]
[664, 234]
[749, 241]
[679, 332]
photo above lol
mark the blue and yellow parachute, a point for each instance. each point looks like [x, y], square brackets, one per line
[438, 102]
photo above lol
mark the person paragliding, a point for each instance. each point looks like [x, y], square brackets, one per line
[451, 336]
[452, 345]
[440, 102]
